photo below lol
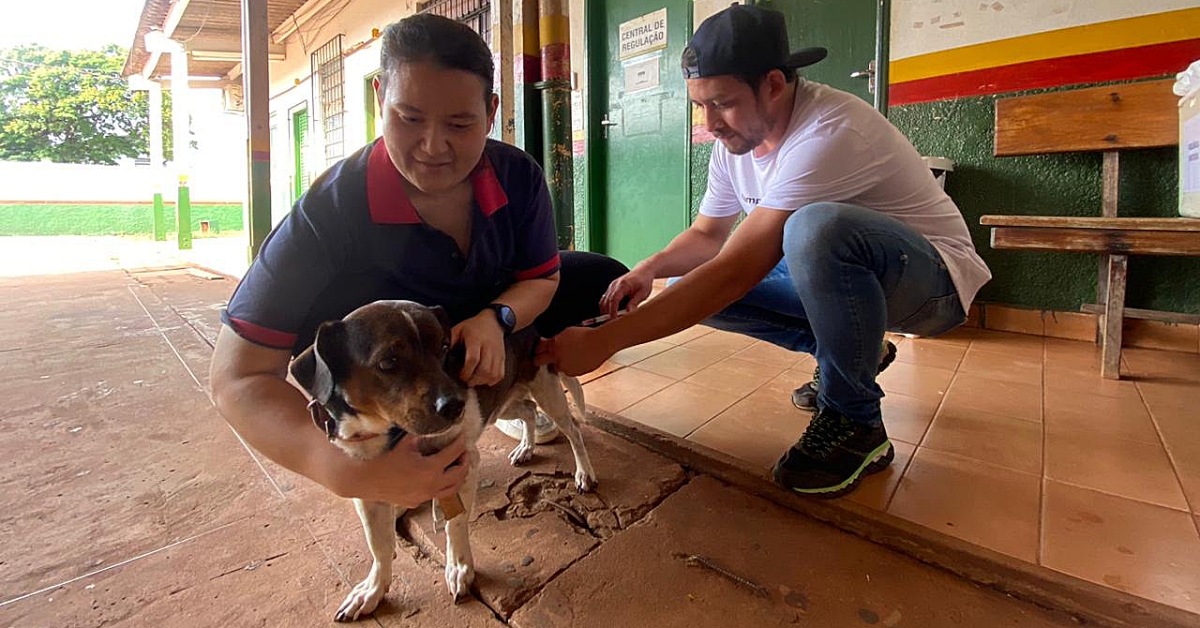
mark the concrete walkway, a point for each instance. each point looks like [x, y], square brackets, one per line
[128, 502]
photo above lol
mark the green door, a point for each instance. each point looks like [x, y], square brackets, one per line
[640, 125]
[299, 151]
[846, 28]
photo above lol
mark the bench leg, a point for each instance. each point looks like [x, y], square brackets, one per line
[1114, 317]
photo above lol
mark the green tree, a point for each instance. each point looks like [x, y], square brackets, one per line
[73, 107]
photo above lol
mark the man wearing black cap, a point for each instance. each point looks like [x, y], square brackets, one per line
[847, 235]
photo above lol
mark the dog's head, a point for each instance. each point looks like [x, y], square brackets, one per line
[378, 373]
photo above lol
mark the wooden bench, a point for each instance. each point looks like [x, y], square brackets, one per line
[1135, 115]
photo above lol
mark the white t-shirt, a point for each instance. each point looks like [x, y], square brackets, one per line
[840, 149]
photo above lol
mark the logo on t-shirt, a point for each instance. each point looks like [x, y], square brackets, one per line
[750, 200]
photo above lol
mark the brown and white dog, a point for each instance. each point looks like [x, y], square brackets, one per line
[387, 370]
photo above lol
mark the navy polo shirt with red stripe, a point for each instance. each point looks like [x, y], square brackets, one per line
[355, 237]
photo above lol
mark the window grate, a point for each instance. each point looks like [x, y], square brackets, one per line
[473, 13]
[328, 69]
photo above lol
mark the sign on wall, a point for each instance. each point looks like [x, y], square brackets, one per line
[644, 34]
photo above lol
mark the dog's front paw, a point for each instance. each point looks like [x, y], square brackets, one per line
[584, 481]
[362, 600]
[520, 454]
[459, 576]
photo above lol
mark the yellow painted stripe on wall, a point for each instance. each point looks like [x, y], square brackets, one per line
[528, 27]
[554, 29]
[1145, 30]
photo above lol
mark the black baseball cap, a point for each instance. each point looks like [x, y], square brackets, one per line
[743, 40]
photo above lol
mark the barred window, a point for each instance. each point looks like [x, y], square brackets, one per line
[327, 69]
[473, 13]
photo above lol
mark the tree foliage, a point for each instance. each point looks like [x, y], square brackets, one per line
[73, 107]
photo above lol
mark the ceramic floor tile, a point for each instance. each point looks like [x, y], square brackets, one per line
[689, 334]
[1016, 345]
[680, 362]
[959, 337]
[1117, 417]
[923, 382]
[1174, 408]
[980, 503]
[771, 355]
[637, 353]
[926, 353]
[1139, 471]
[907, 418]
[1087, 383]
[876, 490]
[757, 429]
[619, 390]
[735, 376]
[1146, 550]
[992, 438]
[606, 368]
[724, 342]
[1018, 368]
[975, 392]
[679, 408]
[1072, 355]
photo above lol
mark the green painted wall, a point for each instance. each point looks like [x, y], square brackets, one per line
[1060, 185]
[28, 220]
[699, 170]
[581, 206]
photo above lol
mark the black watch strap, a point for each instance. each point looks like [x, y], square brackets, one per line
[505, 316]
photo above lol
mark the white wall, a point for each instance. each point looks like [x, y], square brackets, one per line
[75, 183]
[925, 26]
[292, 87]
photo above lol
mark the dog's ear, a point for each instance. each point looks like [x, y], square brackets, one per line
[442, 317]
[303, 368]
[327, 357]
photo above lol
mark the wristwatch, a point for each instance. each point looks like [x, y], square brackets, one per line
[505, 316]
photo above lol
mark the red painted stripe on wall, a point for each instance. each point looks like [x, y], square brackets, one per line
[528, 69]
[1115, 65]
[556, 62]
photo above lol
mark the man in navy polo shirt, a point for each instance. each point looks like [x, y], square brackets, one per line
[433, 212]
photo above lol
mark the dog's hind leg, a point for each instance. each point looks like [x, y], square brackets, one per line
[379, 524]
[460, 565]
[547, 390]
[525, 410]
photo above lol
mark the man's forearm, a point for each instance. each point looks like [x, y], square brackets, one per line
[686, 252]
[681, 305]
[750, 254]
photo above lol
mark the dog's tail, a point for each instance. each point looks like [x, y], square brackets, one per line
[576, 391]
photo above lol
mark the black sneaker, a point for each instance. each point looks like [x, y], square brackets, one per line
[805, 397]
[833, 455]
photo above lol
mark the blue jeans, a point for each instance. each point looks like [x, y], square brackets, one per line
[848, 274]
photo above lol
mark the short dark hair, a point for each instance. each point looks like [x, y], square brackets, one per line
[428, 37]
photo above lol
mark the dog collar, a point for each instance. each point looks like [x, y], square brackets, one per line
[324, 422]
[322, 419]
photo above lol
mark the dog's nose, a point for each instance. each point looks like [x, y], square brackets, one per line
[449, 407]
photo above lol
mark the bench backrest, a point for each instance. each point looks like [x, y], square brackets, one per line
[1131, 115]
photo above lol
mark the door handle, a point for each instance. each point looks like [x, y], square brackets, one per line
[604, 124]
[868, 74]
